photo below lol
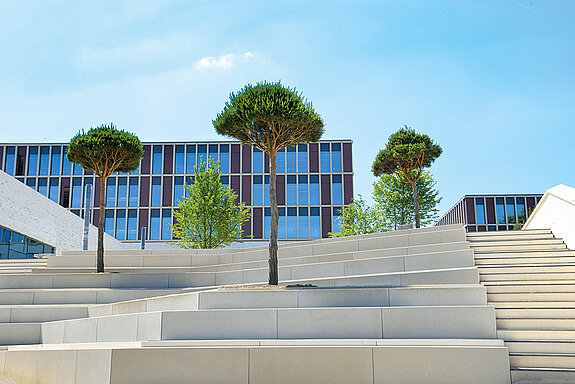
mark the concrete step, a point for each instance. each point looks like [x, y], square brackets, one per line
[521, 278]
[537, 324]
[540, 360]
[527, 268]
[79, 295]
[541, 346]
[519, 255]
[533, 304]
[528, 288]
[284, 323]
[40, 313]
[20, 333]
[243, 364]
[511, 243]
[439, 295]
[536, 313]
[567, 260]
[531, 283]
[531, 296]
[542, 376]
[205, 279]
[510, 236]
[534, 334]
[525, 232]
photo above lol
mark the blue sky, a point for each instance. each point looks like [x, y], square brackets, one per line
[492, 81]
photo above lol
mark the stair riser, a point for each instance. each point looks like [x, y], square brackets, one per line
[532, 296]
[521, 335]
[33, 315]
[503, 277]
[536, 324]
[527, 260]
[540, 347]
[567, 362]
[537, 288]
[541, 313]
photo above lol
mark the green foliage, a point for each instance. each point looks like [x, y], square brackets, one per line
[270, 117]
[393, 206]
[358, 218]
[105, 150]
[406, 152]
[393, 198]
[209, 217]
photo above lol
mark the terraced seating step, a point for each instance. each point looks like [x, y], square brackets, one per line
[531, 296]
[548, 360]
[541, 346]
[536, 313]
[538, 324]
[528, 288]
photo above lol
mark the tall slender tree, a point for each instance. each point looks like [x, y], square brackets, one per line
[407, 153]
[105, 150]
[269, 116]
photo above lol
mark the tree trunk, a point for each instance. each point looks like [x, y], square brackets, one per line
[273, 260]
[416, 204]
[100, 253]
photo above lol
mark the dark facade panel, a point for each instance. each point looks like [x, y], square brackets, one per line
[21, 161]
[325, 221]
[470, 210]
[168, 159]
[325, 190]
[95, 217]
[247, 189]
[235, 160]
[246, 158]
[1, 157]
[146, 160]
[281, 189]
[257, 218]
[167, 191]
[143, 222]
[347, 189]
[145, 191]
[347, 158]
[530, 205]
[235, 185]
[65, 192]
[247, 229]
[490, 208]
[313, 158]
[266, 163]
[96, 192]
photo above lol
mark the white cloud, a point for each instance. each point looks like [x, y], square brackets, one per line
[224, 61]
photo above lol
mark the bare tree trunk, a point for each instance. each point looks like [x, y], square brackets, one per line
[416, 204]
[100, 253]
[273, 260]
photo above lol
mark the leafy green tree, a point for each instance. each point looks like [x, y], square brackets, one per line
[358, 218]
[105, 150]
[269, 116]
[209, 217]
[407, 153]
[393, 198]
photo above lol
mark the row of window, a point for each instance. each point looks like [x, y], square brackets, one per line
[294, 223]
[508, 210]
[14, 245]
[126, 191]
[52, 160]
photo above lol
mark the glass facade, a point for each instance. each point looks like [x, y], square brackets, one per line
[14, 245]
[314, 181]
[491, 212]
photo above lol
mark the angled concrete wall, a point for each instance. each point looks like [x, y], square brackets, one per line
[556, 211]
[30, 213]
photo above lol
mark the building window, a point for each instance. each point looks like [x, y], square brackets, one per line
[267, 222]
[76, 192]
[336, 220]
[291, 190]
[166, 223]
[178, 189]
[31, 182]
[155, 224]
[292, 223]
[282, 223]
[78, 170]
[224, 158]
[281, 161]
[32, 161]
[336, 157]
[266, 190]
[44, 160]
[213, 155]
[43, 186]
[302, 158]
[109, 222]
[55, 171]
[225, 181]
[314, 223]
[314, 196]
[54, 189]
[111, 192]
[190, 159]
[132, 224]
[10, 160]
[510, 205]
[337, 190]
[179, 160]
[156, 191]
[258, 190]
[302, 190]
[258, 163]
[66, 165]
[202, 158]
[122, 191]
[157, 160]
[303, 223]
[89, 181]
[133, 192]
[521, 214]
[500, 210]
[325, 165]
[291, 160]
[480, 210]
[121, 224]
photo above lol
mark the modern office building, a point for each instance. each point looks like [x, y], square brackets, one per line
[480, 213]
[314, 182]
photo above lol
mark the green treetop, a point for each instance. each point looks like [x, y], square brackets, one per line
[269, 116]
[105, 150]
